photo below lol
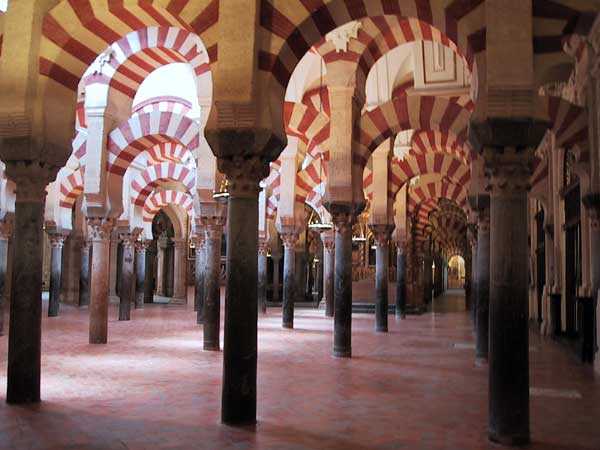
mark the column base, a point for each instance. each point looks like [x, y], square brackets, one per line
[342, 353]
[98, 341]
[288, 325]
[240, 423]
[381, 329]
[401, 316]
[513, 441]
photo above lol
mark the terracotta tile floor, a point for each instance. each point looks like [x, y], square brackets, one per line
[152, 387]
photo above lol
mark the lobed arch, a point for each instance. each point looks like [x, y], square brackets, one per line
[418, 112]
[153, 176]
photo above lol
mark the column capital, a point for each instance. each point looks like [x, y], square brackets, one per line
[381, 233]
[289, 236]
[163, 241]
[400, 247]
[6, 229]
[57, 239]
[213, 226]
[31, 179]
[100, 228]
[508, 171]
[141, 246]
[128, 239]
[591, 202]
[263, 246]
[328, 239]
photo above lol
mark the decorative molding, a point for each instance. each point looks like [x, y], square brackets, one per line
[340, 37]
[102, 59]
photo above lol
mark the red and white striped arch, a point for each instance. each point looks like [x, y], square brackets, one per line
[144, 131]
[170, 104]
[71, 187]
[406, 113]
[431, 141]
[310, 177]
[168, 152]
[75, 32]
[569, 122]
[436, 163]
[145, 182]
[462, 22]
[442, 188]
[308, 124]
[159, 200]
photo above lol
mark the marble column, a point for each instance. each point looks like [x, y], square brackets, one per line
[140, 273]
[483, 277]
[161, 260]
[472, 237]
[381, 234]
[212, 295]
[148, 276]
[84, 275]
[25, 329]
[5, 230]
[127, 275]
[328, 238]
[508, 299]
[343, 221]
[262, 276]
[276, 259]
[400, 280]
[179, 268]
[427, 279]
[57, 242]
[114, 258]
[289, 238]
[238, 401]
[99, 233]
[592, 205]
[199, 271]
[320, 272]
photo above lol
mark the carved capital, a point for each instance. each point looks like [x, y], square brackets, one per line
[381, 233]
[340, 37]
[508, 171]
[262, 247]
[289, 236]
[328, 239]
[401, 247]
[100, 228]
[31, 179]
[213, 226]
[483, 219]
[57, 240]
[199, 238]
[128, 239]
[343, 221]
[141, 246]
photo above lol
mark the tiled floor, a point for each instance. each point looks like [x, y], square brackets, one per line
[152, 387]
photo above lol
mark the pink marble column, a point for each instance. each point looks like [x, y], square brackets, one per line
[99, 234]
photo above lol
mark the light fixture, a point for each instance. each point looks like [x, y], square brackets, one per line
[320, 226]
[222, 195]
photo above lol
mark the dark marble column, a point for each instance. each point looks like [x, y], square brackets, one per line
[427, 279]
[508, 328]
[483, 277]
[199, 271]
[57, 242]
[148, 276]
[472, 237]
[400, 280]
[126, 290]
[25, 330]
[262, 276]
[241, 303]
[328, 238]
[381, 234]
[140, 273]
[84, 274]
[343, 221]
[212, 295]
[99, 233]
[5, 230]
[289, 236]
[276, 258]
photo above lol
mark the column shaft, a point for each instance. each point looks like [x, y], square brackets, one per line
[179, 267]
[100, 230]
[57, 243]
[25, 333]
[262, 277]
[342, 328]
[400, 281]
[241, 313]
[126, 290]
[212, 300]
[382, 237]
[483, 283]
[149, 274]
[289, 278]
[276, 279]
[199, 274]
[3, 268]
[140, 273]
[328, 238]
[84, 275]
